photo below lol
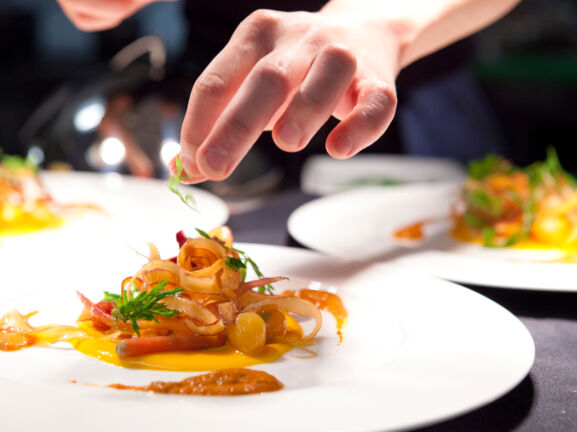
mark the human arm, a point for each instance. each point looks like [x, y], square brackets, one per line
[289, 72]
[94, 15]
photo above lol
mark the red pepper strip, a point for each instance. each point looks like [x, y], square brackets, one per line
[181, 238]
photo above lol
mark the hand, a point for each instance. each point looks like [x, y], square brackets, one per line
[93, 15]
[289, 72]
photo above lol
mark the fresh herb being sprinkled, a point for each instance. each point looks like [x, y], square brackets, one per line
[241, 263]
[131, 307]
[173, 182]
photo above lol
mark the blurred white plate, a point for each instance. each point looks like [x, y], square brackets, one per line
[416, 350]
[324, 175]
[133, 211]
[128, 205]
[359, 225]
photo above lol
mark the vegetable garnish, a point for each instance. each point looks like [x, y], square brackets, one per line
[505, 204]
[193, 301]
[241, 263]
[173, 182]
[14, 162]
[147, 306]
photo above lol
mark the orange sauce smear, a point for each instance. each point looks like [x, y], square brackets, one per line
[226, 382]
[411, 232]
[326, 301]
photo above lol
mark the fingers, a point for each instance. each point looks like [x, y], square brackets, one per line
[210, 95]
[260, 96]
[98, 15]
[327, 80]
[216, 86]
[369, 119]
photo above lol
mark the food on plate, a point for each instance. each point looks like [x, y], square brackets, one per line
[191, 312]
[25, 206]
[505, 205]
[228, 382]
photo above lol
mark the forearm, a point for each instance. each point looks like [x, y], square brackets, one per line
[423, 26]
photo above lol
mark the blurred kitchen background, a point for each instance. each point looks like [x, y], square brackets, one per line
[114, 100]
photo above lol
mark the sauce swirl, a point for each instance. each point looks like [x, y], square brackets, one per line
[225, 382]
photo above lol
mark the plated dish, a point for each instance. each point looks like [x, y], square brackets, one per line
[410, 367]
[532, 207]
[194, 311]
[509, 227]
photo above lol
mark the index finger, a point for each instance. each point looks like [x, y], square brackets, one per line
[217, 85]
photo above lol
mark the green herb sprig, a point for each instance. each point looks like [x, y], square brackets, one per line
[173, 182]
[241, 264]
[14, 162]
[131, 307]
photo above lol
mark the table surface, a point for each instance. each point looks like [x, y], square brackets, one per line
[546, 400]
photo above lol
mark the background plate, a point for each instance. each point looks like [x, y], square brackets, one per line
[359, 225]
[322, 175]
[134, 211]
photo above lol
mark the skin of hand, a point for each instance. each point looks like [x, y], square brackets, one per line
[290, 71]
[95, 15]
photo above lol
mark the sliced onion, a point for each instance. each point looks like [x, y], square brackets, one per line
[227, 311]
[245, 286]
[14, 320]
[211, 329]
[204, 271]
[153, 253]
[293, 305]
[201, 245]
[190, 308]
[250, 297]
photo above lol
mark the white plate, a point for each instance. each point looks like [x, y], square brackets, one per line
[416, 350]
[359, 225]
[133, 210]
[322, 175]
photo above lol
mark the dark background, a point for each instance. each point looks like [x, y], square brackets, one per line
[525, 67]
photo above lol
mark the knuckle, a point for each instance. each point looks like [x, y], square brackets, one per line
[340, 56]
[313, 102]
[385, 96]
[238, 131]
[275, 76]
[381, 106]
[260, 24]
[317, 36]
[210, 86]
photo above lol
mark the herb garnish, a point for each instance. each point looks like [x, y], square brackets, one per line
[241, 263]
[143, 306]
[16, 162]
[173, 182]
[490, 164]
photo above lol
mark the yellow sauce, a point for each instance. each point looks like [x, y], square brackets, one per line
[567, 252]
[224, 357]
[28, 223]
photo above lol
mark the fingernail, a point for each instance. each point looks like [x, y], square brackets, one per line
[290, 135]
[215, 158]
[190, 173]
[188, 164]
[343, 146]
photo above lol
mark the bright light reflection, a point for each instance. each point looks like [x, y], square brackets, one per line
[89, 115]
[112, 151]
[35, 155]
[168, 149]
